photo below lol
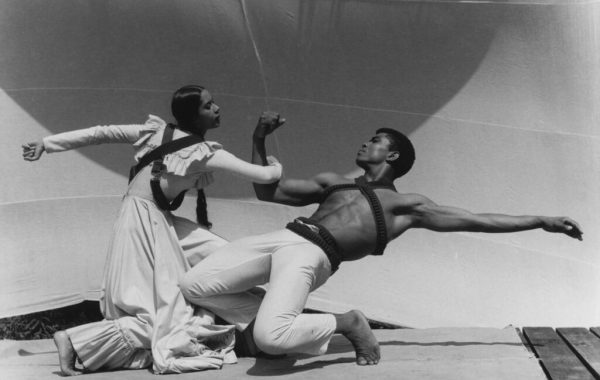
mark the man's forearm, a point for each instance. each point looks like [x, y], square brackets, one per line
[426, 214]
[448, 219]
[506, 223]
[264, 192]
[259, 152]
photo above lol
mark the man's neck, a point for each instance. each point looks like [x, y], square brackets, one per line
[381, 176]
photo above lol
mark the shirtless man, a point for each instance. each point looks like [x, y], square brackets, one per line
[355, 218]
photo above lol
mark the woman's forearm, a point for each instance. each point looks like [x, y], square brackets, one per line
[93, 136]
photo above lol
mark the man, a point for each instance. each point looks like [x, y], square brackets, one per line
[355, 218]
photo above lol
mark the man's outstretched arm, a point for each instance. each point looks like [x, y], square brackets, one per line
[427, 214]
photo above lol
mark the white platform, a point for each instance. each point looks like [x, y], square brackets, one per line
[438, 353]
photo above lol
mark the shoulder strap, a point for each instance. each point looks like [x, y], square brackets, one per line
[167, 146]
[333, 188]
[380, 225]
[156, 158]
[349, 186]
[366, 188]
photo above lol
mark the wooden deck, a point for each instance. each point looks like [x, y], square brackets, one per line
[566, 353]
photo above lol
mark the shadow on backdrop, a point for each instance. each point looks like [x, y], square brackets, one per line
[346, 65]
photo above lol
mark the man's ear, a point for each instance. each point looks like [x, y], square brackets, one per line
[393, 156]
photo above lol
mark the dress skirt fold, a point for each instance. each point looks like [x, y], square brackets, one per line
[147, 320]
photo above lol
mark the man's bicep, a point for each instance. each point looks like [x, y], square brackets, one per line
[421, 209]
[443, 218]
[298, 191]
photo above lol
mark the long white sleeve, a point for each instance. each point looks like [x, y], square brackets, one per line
[223, 160]
[101, 134]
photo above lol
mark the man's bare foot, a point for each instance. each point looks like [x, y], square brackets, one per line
[66, 354]
[354, 326]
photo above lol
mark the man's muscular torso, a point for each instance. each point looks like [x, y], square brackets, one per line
[348, 216]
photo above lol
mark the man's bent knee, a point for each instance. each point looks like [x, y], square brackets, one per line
[192, 289]
[270, 345]
[271, 339]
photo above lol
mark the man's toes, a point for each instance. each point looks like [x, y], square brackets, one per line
[361, 360]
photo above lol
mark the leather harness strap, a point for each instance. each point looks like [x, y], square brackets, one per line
[156, 158]
[366, 188]
[378, 215]
[320, 236]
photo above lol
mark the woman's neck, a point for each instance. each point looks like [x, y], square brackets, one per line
[191, 130]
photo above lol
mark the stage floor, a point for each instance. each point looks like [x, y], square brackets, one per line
[439, 353]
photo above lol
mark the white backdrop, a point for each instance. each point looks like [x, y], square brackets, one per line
[500, 98]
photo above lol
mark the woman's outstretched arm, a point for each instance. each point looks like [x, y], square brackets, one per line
[102, 134]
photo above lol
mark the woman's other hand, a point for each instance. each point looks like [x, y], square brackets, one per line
[32, 151]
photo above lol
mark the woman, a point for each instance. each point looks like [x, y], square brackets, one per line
[147, 321]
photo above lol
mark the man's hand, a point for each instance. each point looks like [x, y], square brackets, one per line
[272, 160]
[268, 122]
[563, 225]
[32, 151]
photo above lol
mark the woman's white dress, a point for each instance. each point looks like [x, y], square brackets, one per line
[147, 320]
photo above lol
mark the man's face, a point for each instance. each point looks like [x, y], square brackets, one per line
[374, 151]
[208, 112]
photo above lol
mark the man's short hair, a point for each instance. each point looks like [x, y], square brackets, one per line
[401, 144]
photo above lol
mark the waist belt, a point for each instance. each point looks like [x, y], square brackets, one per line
[320, 236]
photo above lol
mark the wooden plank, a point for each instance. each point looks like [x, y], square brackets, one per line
[596, 331]
[557, 359]
[585, 344]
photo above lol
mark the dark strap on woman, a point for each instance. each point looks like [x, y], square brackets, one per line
[156, 158]
[167, 146]
[161, 200]
[157, 170]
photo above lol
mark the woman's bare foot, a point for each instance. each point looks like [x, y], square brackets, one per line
[354, 326]
[66, 354]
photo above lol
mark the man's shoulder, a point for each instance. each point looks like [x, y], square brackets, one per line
[327, 179]
[407, 200]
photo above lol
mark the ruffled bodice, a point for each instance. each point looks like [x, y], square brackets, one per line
[187, 162]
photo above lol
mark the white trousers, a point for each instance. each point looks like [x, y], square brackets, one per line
[291, 265]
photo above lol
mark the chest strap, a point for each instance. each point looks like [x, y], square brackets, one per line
[378, 215]
[366, 188]
[167, 146]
